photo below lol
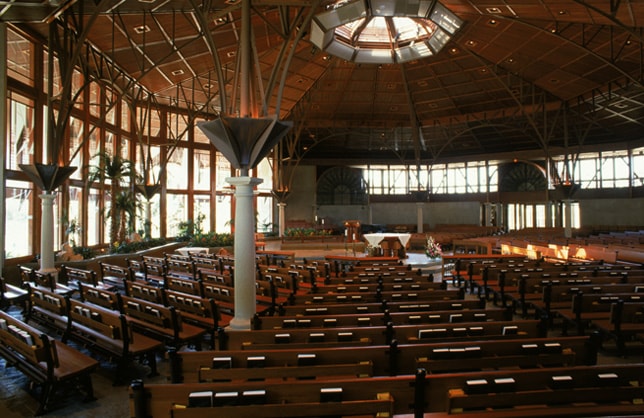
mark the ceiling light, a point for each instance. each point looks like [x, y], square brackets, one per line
[177, 72]
[383, 32]
[493, 10]
[141, 29]
[221, 20]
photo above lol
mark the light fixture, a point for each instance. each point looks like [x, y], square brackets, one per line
[141, 29]
[384, 31]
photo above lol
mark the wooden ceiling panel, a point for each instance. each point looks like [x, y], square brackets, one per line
[467, 95]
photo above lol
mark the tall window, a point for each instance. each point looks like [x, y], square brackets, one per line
[20, 140]
[20, 54]
[19, 218]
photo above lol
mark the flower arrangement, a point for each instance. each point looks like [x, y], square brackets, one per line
[432, 248]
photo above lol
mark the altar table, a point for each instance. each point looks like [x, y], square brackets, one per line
[392, 241]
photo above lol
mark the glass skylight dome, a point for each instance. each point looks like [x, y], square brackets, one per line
[384, 31]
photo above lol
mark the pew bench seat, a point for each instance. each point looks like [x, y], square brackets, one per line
[45, 361]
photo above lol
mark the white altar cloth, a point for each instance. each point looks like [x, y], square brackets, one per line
[375, 239]
[188, 250]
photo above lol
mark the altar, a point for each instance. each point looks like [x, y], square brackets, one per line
[392, 243]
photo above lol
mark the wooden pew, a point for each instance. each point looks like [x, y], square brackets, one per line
[105, 298]
[75, 276]
[45, 361]
[201, 311]
[32, 277]
[367, 297]
[609, 389]
[185, 269]
[395, 359]
[586, 308]
[106, 331]
[306, 367]
[160, 322]
[114, 275]
[144, 291]
[363, 308]
[48, 308]
[380, 318]
[626, 321]
[379, 335]
[184, 285]
[556, 296]
[12, 295]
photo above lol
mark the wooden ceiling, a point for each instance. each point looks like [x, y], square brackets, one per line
[521, 79]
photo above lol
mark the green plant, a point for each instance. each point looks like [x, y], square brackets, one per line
[134, 246]
[117, 170]
[86, 252]
[193, 233]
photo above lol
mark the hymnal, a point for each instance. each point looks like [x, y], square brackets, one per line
[200, 399]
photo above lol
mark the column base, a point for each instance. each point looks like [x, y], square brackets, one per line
[239, 324]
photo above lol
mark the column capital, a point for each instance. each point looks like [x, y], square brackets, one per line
[244, 181]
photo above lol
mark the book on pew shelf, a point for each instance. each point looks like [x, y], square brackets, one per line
[306, 359]
[434, 319]
[473, 351]
[414, 319]
[561, 382]
[330, 322]
[282, 338]
[440, 353]
[530, 349]
[477, 386]
[552, 348]
[95, 316]
[201, 399]
[480, 317]
[222, 362]
[3, 324]
[253, 397]
[432, 333]
[607, 379]
[364, 321]
[331, 395]
[504, 384]
[289, 323]
[475, 331]
[362, 309]
[459, 332]
[316, 337]
[255, 362]
[456, 318]
[305, 323]
[345, 336]
[225, 398]
[510, 330]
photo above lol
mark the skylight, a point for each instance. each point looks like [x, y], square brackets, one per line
[384, 31]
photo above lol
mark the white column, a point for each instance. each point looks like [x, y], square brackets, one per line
[281, 220]
[244, 252]
[47, 234]
[419, 217]
[567, 218]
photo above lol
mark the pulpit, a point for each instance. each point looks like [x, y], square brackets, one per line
[352, 231]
